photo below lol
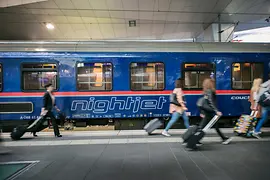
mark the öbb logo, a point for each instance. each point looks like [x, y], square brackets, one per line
[129, 103]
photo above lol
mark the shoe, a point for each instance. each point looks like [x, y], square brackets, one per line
[34, 134]
[165, 133]
[184, 143]
[58, 135]
[199, 144]
[256, 135]
[226, 141]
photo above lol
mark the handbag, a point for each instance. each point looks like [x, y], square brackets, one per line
[173, 99]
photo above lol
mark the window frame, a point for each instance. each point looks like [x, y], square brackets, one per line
[250, 73]
[2, 78]
[18, 112]
[76, 77]
[183, 73]
[164, 76]
[41, 90]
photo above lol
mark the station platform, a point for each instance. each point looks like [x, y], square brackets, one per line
[133, 154]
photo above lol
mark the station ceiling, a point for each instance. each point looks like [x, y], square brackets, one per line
[109, 19]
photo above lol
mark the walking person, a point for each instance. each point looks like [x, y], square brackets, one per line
[253, 97]
[265, 109]
[177, 107]
[210, 110]
[46, 111]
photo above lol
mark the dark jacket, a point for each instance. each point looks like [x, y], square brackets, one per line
[210, 97]
[47, 102]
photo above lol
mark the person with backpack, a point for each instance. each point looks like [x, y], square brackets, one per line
[177, 107]
[263, 98]
[208, 108]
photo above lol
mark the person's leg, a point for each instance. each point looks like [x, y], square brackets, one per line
[55, 126]
[186, 119]
[204, 120]
[261, 121]
[174, 118]
[219, 132]
[39, 123]
[225, 140]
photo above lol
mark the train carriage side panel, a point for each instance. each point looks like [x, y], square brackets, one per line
[122, 102]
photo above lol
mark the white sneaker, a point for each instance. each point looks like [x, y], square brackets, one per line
[256, 135]
[165, 133]
[227, 141]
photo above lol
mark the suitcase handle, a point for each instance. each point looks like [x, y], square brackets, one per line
[253, 113]
[35, 122]
[211, 123]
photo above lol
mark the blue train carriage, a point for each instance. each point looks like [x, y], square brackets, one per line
[124, 81]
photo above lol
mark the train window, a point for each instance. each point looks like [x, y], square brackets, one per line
[16, 107]
[1, 78]
[243, 74]
[194, 74]
[35, 76]
[147, 76]
[94, 76]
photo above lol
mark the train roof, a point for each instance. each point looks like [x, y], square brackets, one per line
[130, 46]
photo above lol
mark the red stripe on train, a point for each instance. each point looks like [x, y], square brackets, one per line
[3, 94]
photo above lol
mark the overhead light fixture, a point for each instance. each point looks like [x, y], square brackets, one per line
[132, 23]
[40, 49]
[49, 26]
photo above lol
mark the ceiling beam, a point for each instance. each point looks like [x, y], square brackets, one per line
[9, 3]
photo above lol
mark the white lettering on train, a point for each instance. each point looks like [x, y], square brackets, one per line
[130, 103]
[239, 97]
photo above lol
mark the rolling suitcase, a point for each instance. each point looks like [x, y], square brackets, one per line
[152, 125]
[18, 132]
[246, 124]
[191, 130]
[195, 137]
[36, 126]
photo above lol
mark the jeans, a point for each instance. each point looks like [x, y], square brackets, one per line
[207, 117]
[175, 117]
[264, 118]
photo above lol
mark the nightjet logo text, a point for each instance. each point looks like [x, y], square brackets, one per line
[114, 104]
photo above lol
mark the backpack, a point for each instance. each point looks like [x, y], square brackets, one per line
[264, 99]
[173, 99]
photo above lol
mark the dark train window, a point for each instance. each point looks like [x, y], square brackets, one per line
[195, 73]
[243, 74]
[36, 76]
[147, 76]
[94, 76]
[1, 78]
[16, 107]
